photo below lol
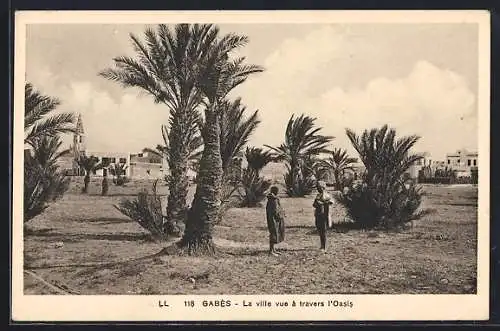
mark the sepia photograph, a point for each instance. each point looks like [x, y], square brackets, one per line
[222, 163]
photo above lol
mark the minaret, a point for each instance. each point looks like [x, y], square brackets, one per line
[79, 138]
[78, 143]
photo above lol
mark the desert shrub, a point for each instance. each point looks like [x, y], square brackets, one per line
[44, 182]
[146, 210]
[383, 198]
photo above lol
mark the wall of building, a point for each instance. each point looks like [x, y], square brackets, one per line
[143, 170]
[462, 162]
[113, 158]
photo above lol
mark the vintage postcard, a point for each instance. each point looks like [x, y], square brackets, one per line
[251, 166]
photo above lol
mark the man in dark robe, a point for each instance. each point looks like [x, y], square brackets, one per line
[321, 206]
[275, 220]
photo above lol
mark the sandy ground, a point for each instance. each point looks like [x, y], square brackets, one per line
[83, 245]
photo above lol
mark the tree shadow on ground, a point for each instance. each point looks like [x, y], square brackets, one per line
[464, 204]
[60, 236]
[104, 220]
[97, 266]
[243, 252]
[264, 228]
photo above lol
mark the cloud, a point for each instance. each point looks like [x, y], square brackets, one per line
[127, 123]
[285, 85]
[328, 73]
[429, 101]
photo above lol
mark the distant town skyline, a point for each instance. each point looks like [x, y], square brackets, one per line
[418, 78]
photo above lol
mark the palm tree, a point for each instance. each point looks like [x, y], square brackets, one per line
[382, 154]
[39, 120]
[384, 198]
[118, 171]
[47, 151]
[254, 186]
[257, 159]
[166, 66]
[302, 143]
[220, 74]
[43, 180]
[235, 130]
[90, 164]
[337, 164]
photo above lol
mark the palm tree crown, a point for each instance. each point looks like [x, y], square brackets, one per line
[47, 150]
[337, 163]
[38, 118]
[257, 158]
[382, 154]
[302, 140]
[89, 163]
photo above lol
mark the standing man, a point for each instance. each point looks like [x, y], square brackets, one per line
[321, 206]
[275, 220]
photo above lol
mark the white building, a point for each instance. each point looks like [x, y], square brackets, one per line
[462, 161]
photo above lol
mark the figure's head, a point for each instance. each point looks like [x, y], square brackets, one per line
[320, 186]
[274, 190]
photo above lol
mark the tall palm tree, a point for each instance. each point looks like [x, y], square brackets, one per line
[302, 143]
[39, 120]
[90, 164]
[166, 66]
[220, 74]
[337, 164]
[235, 131]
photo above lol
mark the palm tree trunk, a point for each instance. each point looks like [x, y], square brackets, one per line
[294, 168]
[207, 199]
[178, 162]
[337, 180]
[86, 181]
[178, 186]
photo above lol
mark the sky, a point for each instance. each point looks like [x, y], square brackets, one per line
[417, 78]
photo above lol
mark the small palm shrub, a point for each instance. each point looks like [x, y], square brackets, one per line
[146, 210]
[382, 198]
[118, 171]
[253, 186]
[253, 189]
[370, 205]
[44, 182]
